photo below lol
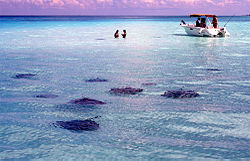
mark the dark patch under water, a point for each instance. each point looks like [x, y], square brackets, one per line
[87, 101]
[25, 76]
[100, 39]
[180, 94]
[97, 80]
[126, 90]
[78, 125]
[213, 69]
[149, 84]
[46, 96]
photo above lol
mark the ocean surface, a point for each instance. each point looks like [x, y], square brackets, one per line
[64, 52]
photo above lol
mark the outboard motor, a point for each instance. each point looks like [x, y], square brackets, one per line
[222, 32]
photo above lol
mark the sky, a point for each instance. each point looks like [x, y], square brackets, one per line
[124, 7]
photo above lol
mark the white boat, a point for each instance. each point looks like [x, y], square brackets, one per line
[205, 28]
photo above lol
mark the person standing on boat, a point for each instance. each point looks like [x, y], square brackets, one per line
[198, 24]
[116, 35]
[203, 22]
[215, 21]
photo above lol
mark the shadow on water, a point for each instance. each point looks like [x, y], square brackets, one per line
[181, 35]
[157, 37]
[100, 39]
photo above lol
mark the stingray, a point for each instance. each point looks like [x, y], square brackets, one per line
[46, 96]
[78, 125]
[180, 94]
[86, 101]
[213, 69]
[26, 76]
[96, 80]
[126, 90]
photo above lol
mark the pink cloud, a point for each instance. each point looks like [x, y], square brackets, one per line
[124, 6]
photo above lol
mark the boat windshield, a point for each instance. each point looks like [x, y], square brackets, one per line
[203, 21]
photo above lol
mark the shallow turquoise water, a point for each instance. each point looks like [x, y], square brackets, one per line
[66, 51]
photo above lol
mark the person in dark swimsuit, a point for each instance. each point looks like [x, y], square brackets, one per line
[198, 24]
[124, 34]
[215, 21]
[116, 35]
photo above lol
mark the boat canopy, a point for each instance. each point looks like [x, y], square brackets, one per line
[199, 15]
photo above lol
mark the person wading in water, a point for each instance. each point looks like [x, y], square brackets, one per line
[124, 34]
[116, 35]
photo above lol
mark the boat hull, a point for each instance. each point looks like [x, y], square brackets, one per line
[206, 32]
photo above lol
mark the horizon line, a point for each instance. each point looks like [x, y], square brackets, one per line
[40, 15]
